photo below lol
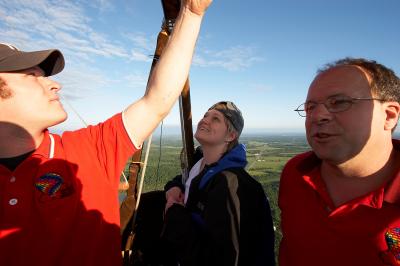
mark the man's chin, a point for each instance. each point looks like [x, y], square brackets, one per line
[331, 157]
[324, 154]
[59, 120]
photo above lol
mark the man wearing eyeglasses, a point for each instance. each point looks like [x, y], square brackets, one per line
[340, 202]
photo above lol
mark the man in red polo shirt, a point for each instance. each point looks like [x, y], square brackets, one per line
[58, 194]
[340, 202]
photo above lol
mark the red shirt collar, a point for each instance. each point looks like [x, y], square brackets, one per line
[392, 189]
[45, 147]
[389, 193]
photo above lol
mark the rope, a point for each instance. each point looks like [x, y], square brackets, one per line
[72, 108]
[139, 193]
[159, 156]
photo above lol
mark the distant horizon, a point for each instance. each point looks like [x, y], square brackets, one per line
[175, 130]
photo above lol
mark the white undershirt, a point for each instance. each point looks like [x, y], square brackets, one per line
[192, 174]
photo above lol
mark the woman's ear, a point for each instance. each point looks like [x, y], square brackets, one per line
[231, 136]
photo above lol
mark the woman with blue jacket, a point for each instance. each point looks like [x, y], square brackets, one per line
[221, 216]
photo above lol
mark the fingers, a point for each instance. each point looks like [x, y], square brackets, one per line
[174, 193]
[197, 7]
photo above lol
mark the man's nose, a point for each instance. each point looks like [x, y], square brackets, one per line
[320, 114]
[52, 85]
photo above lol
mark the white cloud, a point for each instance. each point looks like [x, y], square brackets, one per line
[81, 82]
[136, 80]
[38, 24]
[137, 55]
[10, 35]
[233, 58]
[143, 46]
[65, 25]
[140, 40]
[102, 5]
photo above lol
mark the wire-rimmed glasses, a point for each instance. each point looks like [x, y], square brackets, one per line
[334, 104]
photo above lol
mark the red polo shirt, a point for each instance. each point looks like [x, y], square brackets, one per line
[364, 231]
[60, 206]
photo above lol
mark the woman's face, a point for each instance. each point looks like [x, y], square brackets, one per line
[213, 129]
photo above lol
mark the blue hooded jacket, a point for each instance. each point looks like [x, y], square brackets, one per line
[235, 158]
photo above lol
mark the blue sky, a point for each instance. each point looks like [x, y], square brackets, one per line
[260, 54]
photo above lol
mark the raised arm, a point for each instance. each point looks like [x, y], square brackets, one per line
[170, 74]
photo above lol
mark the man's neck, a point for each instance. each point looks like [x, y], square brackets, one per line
[13, 162]
[355, 178]
[15, 141]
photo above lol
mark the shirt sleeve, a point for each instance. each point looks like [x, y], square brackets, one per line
[106, 145]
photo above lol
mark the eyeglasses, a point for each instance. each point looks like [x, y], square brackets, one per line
[333, 104]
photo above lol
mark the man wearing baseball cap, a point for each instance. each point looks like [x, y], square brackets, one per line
[58, 194]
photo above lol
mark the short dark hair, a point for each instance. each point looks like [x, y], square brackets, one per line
[5, 92]
[384, 85]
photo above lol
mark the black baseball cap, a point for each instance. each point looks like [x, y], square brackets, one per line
[232, 113]
[12, 59]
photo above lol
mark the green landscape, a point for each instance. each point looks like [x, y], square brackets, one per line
[266, 155]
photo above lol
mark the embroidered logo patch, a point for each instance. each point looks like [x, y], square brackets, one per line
[49, 184]
[392, 237]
